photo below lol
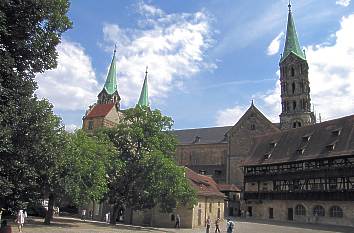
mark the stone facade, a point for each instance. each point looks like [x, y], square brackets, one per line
[194, 217]
[288, 210]
[97, 117]
[240, 141]
[209, 159]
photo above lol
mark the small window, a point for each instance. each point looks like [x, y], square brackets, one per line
[90, 125]
[306, 138]
[336, 132]
[292, 71]
[330, 147]
[300, 210]
[294, 105]
[202, 172]
[217, 172]
[196, 139]
[253, 127]
[336, 212]
[267, 156]
[318, 211]
[293, 87]
[300, 151]
[272, 145]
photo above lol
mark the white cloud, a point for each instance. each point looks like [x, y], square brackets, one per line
[230, 116]
[344, 3]
[331, 75]
[71, 127]
[274, 46]
[72, 85]
[172, 45]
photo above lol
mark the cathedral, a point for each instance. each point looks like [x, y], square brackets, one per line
[294, 170]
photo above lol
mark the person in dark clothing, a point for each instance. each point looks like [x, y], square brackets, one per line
[5, 228]
[178, 221]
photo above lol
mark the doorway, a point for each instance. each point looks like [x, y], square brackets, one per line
[290, 214]
[271, 216]
[249, 210]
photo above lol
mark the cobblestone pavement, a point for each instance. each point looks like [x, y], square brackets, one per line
[67, 225]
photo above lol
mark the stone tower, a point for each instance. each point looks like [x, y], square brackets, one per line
[295, 86]
[109, 93]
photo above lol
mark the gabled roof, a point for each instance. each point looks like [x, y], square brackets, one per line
[204, 185]
[305, 143]
[228, 188]
[254, 110]
[292, 44]
[201, 135]
[100, 110]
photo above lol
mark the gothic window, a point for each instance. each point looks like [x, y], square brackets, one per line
[300, 210]
[253, 127]
[336, 212]
[318, 211]
[302, 87]
[293, 87]
[296, 124]
[294, 105]
[292, 72]
[287, 106]
[90, 125]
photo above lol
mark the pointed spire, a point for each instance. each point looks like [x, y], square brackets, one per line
[111, 81]
[144, 97]
[292, 44]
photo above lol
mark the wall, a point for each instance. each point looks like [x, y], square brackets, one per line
[208, 157]
[260, 210]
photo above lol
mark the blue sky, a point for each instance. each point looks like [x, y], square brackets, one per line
[207, 58]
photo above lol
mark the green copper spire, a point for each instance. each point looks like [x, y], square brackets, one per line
[144, 97]
[111, 82]
[292, 43]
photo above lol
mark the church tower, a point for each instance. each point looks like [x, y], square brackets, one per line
[295, 85]
[109, 93]
[144, 96]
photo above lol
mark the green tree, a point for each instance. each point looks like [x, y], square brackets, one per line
[29, 32]
[149, 174]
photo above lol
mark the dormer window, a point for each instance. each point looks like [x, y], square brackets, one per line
[267, 156]
[202, 172]
[336, 132]
[272, 145]
[253, 127]
[196, 139]
[300, 151]
[306, 138]
[330, 147]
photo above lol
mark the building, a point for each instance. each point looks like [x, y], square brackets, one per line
[303, 174]
[210, 203]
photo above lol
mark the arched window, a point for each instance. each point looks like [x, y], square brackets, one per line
[294, 105]
[293, 87]
[292, 71]
[318, 211]
[300, 210]
[336, 212]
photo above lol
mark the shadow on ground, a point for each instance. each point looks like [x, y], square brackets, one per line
[77, 223]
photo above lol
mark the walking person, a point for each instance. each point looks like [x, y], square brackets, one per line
[217, 223]
[20, 220]
[83, 214]
[5, 228]
[208, 223]
[178, 221]
[230, 226]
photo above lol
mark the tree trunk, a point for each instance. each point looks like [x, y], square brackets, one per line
[114, 214]
[49, 213]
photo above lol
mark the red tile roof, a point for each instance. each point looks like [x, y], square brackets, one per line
[204, 185]
[100, 110]
[229, 187]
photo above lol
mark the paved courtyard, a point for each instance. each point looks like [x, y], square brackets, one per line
[65, 225]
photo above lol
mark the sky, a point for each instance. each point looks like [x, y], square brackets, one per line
[207, 59]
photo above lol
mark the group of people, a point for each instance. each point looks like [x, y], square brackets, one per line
[20, 220]
[229, 225]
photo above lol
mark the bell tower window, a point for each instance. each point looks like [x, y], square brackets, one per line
[292, 72]
[293, 87]
[294, 105]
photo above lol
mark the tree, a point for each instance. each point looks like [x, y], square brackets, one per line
[149, 175]
[29, 32]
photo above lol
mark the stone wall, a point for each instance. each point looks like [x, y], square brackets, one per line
[260, 210]
[210, 158]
